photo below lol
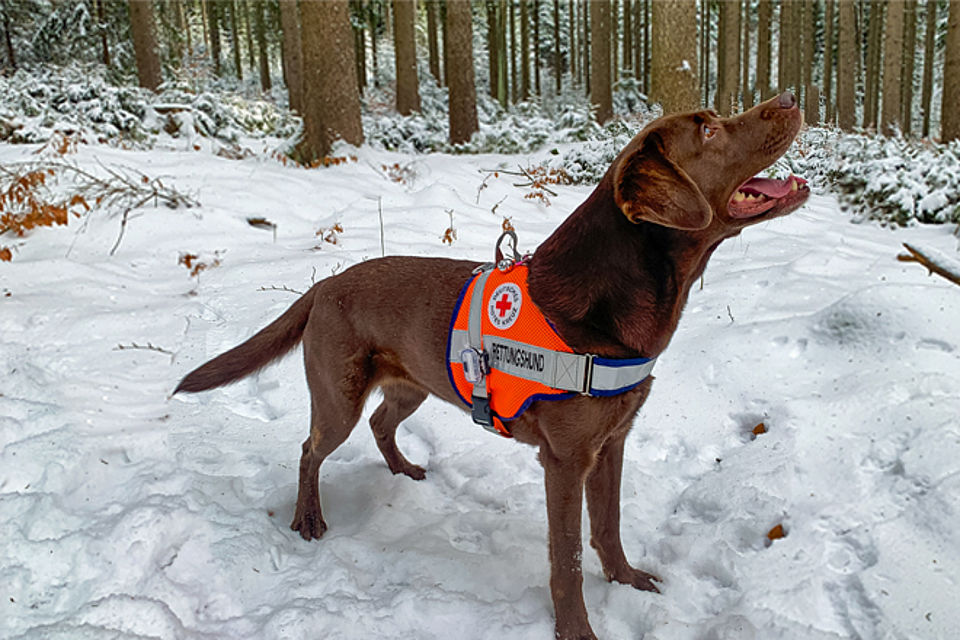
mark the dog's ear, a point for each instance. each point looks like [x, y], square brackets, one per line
[649, 186]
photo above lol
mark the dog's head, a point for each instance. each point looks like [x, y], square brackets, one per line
[695, 171]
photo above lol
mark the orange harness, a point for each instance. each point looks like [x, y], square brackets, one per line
[503, 354]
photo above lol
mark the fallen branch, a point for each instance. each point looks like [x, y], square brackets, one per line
[934, 261]
[274, 287]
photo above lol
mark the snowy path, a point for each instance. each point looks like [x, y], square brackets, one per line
[125, 514]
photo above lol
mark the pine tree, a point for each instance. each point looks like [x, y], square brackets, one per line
[292, 54]
[909, 60]
[847, 64]
[260, 22]
[601, 95]
[746, 91]
[928, 55]
[828, 37]
[673, 76]
[892, 63]
[764, 17]
[331, 99]
[213, 25]
[729, 45]
[143, 29]
[524, 51]
[459, 61]
[872, 83]
[404, 33]
[235, 39]
[949, 114]
[433, 46]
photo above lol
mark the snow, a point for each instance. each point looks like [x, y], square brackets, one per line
[125, 513]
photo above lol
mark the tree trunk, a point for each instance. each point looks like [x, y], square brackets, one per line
[673, 76]
[503, 68]
[828, 40]
[847, 64]
[557, 60]
[705, 41]
[143, 30]
[433, 44]
[524, 51]
[514, 54]
[746, 91]
[728, 91]
[601, 95]
[251, 56]
[892, 68]
[536, 47]
[587, 43]
[235, 40]
[459, 62]
[721, 58]
[101, 28]
[627, 53]
[787, 38]
[331, 100]
[292, 52]
[262, 46]
[638, 68]
[811, 94]
[875, 41]
[213, 24]
[909, 58]
[949, 113]
[185, 21]
[373, 15]
[929, 50]
[574, 50]
[203, 21]
[493, 46]
[404, 33]
[764, 15]
[647, 36]
[614, 41]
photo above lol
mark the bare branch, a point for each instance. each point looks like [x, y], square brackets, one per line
[934, 262]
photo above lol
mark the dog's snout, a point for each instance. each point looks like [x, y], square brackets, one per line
[788, 100]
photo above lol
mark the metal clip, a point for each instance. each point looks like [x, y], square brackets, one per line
[476, 365]
[587, 374]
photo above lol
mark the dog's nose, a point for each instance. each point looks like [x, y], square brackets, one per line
[788, 100]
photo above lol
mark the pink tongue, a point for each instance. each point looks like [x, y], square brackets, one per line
[767, 186]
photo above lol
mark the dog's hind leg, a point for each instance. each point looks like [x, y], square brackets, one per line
[336, 400]
[399, 401]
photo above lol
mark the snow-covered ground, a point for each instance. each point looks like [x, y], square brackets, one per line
[127, 514]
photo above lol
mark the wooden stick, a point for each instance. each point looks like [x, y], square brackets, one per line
[930, 262]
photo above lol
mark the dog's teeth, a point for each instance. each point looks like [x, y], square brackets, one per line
[739, 197]
[751, 197]
[793, 185]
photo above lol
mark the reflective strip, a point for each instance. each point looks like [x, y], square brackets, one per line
[611, 376]
[557, 369]
[475, 328]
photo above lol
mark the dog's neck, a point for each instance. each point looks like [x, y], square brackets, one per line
[612, 287]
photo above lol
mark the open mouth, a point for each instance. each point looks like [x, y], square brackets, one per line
[762, 195]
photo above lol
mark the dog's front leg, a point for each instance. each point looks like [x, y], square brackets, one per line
[603, 504]
[564, 483]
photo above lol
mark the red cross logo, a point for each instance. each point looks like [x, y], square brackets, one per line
[503, 305]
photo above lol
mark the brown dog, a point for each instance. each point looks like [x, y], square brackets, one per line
[613, 279]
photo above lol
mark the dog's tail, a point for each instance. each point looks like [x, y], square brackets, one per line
[273, 341]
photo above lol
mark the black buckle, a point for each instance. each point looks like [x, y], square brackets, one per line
[482, 414]
[588, 374]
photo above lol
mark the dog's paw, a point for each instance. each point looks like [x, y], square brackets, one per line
[310, 526]
[414, 471]
[642, 580]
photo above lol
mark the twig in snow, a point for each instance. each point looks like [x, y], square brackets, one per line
[934, 261]
[274, 287]
[147, 347]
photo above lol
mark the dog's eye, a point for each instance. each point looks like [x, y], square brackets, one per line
[709, 132]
